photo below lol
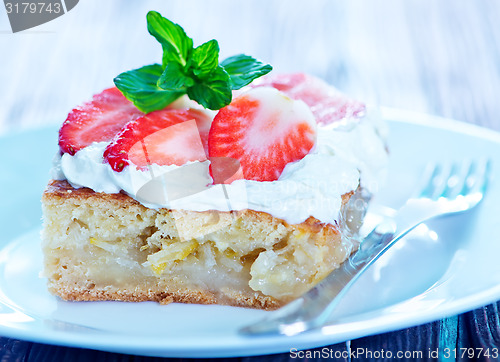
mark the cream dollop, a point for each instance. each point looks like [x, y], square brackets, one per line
[346, 155]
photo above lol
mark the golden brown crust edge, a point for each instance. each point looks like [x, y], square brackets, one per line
[61, 189]
[85, 294]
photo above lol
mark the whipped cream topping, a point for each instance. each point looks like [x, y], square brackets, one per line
[347, 154]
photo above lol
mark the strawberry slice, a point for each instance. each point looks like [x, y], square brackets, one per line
[264, 130]
[326, 102]
[96, 121]
[165, 137]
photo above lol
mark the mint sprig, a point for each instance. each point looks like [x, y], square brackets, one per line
[187, 70]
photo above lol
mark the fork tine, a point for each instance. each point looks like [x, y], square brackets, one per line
[477, 177]
[469, 179]
[483, 185]
[453, 183]
[431, 176]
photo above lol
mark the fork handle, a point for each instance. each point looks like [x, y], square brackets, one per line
[313, 309]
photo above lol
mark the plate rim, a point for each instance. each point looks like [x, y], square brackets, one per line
[267, 345]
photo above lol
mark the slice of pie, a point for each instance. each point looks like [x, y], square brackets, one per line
[250, 207]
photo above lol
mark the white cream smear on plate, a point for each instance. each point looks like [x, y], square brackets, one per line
[346, 154]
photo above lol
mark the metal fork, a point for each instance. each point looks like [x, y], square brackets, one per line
[447, 190]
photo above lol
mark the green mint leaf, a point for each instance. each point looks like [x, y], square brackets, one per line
[214, 92]
[243, 69]
[205, 58]
[177, 46]
[186, 70]
[174, 79]
[140, 87]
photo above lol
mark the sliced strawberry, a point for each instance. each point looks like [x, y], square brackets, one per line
[95, 121]
[263, 129]
[326, 102]
[166, 137]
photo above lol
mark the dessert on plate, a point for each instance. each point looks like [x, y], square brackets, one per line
[203, 182]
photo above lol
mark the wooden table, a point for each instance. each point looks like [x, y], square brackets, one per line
[434, 56]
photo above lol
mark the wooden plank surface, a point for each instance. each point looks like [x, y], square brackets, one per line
[434, 56]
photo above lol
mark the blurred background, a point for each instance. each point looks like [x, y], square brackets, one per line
[440, 57]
